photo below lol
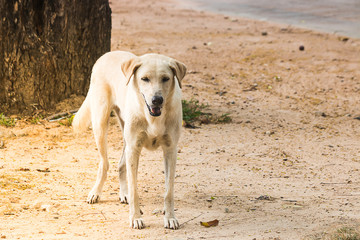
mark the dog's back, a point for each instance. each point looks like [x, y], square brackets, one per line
[110, 61]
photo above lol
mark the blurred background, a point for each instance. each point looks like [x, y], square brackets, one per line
[335, 16]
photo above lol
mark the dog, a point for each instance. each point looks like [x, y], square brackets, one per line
[145, 94]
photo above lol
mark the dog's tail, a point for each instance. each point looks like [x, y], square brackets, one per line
[82, 118]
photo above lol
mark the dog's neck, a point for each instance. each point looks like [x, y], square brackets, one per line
[156, 125]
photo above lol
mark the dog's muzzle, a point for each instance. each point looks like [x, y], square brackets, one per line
[156, 106]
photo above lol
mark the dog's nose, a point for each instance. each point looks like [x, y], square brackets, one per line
[157, 100]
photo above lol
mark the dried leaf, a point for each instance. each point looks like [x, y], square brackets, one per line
[212, 223]
[23, 169]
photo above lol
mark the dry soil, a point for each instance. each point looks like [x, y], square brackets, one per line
[286, 167]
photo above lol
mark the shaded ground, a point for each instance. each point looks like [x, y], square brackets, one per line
[293, 138]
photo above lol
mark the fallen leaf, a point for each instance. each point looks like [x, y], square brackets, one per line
[24, 169]
[212, 223]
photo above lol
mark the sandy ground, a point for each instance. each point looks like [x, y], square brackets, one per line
[293, 138]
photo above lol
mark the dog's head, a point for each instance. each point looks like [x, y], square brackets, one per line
[156, 76]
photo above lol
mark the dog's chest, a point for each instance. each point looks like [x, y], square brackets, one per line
[156, 129]
[155, 134]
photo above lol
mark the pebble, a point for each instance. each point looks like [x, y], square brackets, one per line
[264, 33]
[45, 207]
[320, 114]
[301, 48]
[269, 133]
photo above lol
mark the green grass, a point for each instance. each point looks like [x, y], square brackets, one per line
[192, 110]
[224, 118]
[36, 119]
[67, 121]
[6, 121]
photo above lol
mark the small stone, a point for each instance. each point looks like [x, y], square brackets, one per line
[265, 197]
[45, 207]
[301, 48]
[264, 33]
[320, 114]
[269, 133]
[227, 210]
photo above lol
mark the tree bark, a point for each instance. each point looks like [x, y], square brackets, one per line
[47, 50]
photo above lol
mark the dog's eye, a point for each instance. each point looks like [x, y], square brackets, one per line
[145, 79]
[165, 79]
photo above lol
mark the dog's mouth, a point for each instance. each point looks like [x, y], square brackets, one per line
[154, 111]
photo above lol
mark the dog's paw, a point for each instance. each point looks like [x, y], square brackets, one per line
[137, 223]
[93, 198]
[171, 223]
[123, 199]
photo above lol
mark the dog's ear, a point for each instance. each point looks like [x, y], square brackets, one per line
[129, 67]
[179, 70]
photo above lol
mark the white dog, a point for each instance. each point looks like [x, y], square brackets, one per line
[145, 94]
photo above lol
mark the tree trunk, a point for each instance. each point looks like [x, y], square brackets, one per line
[47, 50]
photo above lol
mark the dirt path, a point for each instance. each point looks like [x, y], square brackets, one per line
[287, 167]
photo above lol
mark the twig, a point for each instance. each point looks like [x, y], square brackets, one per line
[103, 215]
[62, 114]
[325, 183]
[191, 219]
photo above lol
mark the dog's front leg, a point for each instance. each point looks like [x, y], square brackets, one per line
[170, 220]
[132, 153]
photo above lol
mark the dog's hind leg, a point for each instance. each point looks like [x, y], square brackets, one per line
[100, 114]
[123, 193]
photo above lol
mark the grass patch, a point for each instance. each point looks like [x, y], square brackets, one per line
[346, 233]
[193, 112]
[67, 121]
[6, 121]
[36, 119]
[342, 233]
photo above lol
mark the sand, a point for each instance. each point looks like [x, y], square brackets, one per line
[286, 167]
